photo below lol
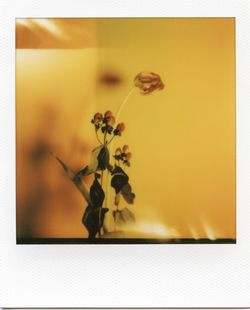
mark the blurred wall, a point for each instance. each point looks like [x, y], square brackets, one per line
[182, 138]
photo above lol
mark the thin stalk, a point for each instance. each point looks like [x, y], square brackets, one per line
[96, 133]
[100, 211]
[121, 106]
[110, 144]
[102, 172]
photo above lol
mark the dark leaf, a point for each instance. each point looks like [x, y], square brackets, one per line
[93, 166]
[124, 216]
[110, 168]
[119, 179]
[74, 178]
[93, 220]
[127, 193]
[103, 158]
[96, 194]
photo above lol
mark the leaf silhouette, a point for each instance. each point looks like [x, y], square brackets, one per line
[119, 179]
[96, 194]
[124, 216]
[91, 219]
[103, 158]
[74, 178]
[94, 163]
[99, 161]
[127, 193]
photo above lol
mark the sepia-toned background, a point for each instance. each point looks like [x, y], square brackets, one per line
[182, 138]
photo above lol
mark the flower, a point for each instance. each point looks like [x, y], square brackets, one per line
[125, 148]
[111, 120]
[118, 151]
[107, 114]
[122, 154]
[119, 129]
[128, 156]
[97, 118]
[148, 82]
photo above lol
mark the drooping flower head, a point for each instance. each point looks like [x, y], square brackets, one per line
[119, 129]
[148, 82]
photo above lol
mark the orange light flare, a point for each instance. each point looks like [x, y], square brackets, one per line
[210, 232]
[154, 229]
[44, 23]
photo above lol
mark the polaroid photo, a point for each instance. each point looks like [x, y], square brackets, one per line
[125, 154]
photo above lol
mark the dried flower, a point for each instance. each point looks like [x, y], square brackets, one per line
[148, 82]
[128, 156]
[108, 114]
[97, 118]
[119, 129]
[118, 151]
[111, 120]
[125, 148]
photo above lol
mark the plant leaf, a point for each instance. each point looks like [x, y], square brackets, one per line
[124, 216]
[127, 193]
[94, 162]
[103, 158]
[96, 194]
[119, 179]
[91, 218]
[74, 178]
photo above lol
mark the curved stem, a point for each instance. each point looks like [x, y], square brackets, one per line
[117, 114]
[97, 137]
[121, 106]
[110, 140]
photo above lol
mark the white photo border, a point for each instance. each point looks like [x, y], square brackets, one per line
[108, 276]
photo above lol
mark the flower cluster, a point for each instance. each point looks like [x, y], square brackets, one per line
[106, 123]
[148, 82]
[123, 155]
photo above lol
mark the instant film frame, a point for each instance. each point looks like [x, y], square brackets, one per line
[162, 275]
[148, 163]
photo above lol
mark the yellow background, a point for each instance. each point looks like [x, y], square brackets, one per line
[182, 138]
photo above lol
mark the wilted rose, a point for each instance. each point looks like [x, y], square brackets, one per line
[148, 82]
